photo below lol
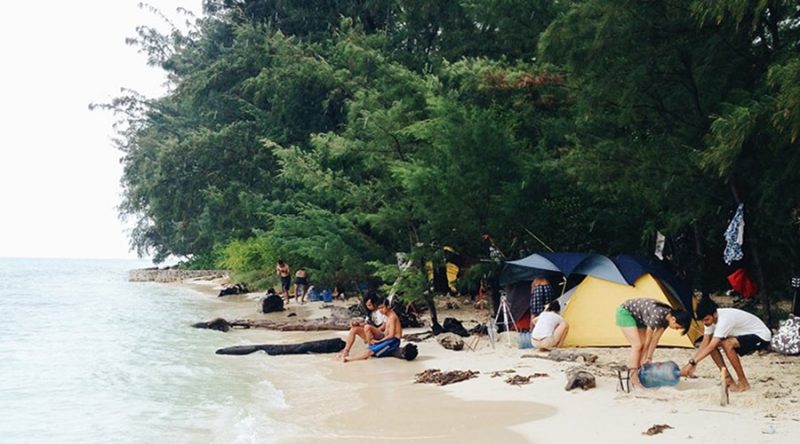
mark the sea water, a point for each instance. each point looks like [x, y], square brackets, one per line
[86, 356]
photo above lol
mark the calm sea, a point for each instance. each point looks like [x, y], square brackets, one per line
[86, 356]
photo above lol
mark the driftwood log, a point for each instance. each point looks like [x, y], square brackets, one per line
[315, 325]
[563, 355]
[321, 346]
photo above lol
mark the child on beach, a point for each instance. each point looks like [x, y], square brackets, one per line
[643, 321]
[392, 333]
[737, 332]
[550, 329]
[284, 273]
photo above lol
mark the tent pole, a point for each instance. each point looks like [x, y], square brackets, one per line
[537, 238]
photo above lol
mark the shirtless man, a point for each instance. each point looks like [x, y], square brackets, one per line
[300, 285]
[390, 342]
[284, 272]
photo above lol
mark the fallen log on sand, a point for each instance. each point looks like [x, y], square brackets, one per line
[408, 352]
[313, 325]
[321, 346]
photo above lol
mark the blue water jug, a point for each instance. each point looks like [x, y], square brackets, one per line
[659, 374]
[327, 296]
[524, 340]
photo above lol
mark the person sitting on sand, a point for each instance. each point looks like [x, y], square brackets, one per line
[550, 329]
[369, 329]
[737, 332]
[643, 321]
[392, 333]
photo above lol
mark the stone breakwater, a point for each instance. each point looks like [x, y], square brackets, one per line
[173, 275]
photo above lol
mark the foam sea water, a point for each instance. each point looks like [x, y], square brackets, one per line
[86, 356]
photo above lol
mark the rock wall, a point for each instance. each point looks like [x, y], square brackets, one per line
[172, 275]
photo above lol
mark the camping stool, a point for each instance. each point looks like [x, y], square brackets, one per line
[624, 376]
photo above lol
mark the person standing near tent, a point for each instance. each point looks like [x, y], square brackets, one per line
[541, 294]
[643, 321]
[550, 329]
[737, 332]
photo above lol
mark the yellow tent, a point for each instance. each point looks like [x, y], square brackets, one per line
[591, 313]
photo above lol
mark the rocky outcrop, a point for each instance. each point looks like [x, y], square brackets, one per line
[451, 341]
[173, 275]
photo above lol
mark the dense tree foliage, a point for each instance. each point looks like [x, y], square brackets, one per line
[336, 134]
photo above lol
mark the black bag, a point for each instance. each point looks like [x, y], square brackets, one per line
[272, 303]
[453, 325]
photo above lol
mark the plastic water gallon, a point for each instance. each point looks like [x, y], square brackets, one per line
[524, 340]
[327, 296]
[659, 374]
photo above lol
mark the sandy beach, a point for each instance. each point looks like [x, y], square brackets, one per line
[330, 401]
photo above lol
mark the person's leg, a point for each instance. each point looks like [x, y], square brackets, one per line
[633, 336]
[372, 332]
[730, 345]
[561, 333]
[716, 356]
[366, 355]
[354, 332]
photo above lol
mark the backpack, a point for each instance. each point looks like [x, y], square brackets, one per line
[787, 340]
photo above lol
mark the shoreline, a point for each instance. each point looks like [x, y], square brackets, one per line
[330, 401]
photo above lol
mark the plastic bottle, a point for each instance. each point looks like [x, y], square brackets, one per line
[659, 374]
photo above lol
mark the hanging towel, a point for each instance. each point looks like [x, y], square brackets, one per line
[660, 239]
[734, 237]
[741, 281]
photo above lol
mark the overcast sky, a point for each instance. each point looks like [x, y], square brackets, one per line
[59, 171]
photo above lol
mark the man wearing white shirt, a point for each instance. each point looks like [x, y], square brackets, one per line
[737, 332]
[550, 329]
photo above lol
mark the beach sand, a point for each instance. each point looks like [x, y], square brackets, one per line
[327, 400]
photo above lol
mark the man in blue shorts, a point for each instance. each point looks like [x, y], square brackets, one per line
[390, 341]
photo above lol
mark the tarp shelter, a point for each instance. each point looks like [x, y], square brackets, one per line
[592, 306]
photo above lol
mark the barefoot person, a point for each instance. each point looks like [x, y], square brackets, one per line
[392, 333]
[643, 321]
[284, 273]
[368, 329]
[300, 285]
[737, 332]
[550, 329]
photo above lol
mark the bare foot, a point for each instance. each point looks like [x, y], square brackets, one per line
[346, 359]
[740, 387]
[343, 355]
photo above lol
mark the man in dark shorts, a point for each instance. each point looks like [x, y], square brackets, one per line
[284, 272]
[737, 332]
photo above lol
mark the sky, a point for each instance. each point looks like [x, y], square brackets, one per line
[59, 170]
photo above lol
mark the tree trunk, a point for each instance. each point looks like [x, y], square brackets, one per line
[435, 326]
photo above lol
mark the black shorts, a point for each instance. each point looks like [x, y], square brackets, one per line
[750, 343]
[286, 282]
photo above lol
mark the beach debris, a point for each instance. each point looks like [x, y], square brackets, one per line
[563, 355]
[656, 429]
[233, 289]
[218, 324]
[322, 346]
[451, 341]
[499, 373]
[453, 325]
[299, 325]
[522, 380]
[408, 352]
[291, 315]
[438, 377]
[580, 378]
[768, 430]
[418, 337]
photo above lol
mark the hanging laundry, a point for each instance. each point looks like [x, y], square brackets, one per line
[734, 237]
[660, 239]
[742, 283]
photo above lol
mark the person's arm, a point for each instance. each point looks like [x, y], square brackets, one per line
[706, 347]
[652, 336]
